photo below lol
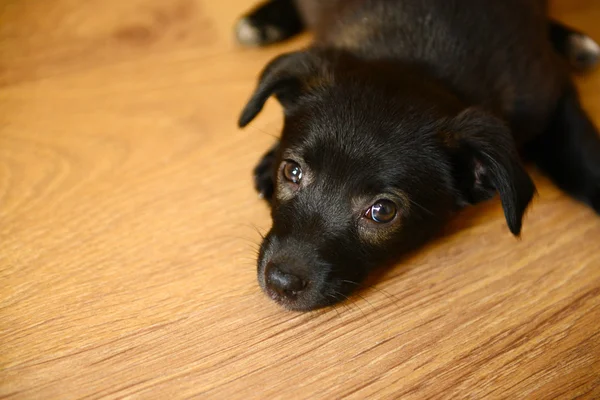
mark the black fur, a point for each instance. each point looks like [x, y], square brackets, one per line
[569, 151]
[422, 103]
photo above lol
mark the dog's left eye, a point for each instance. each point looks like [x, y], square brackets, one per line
[383, 211]
[292, 172]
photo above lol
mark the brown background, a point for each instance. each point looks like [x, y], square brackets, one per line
[127, 236]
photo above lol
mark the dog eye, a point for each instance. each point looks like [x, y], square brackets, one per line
[292, 172]
[383, 211]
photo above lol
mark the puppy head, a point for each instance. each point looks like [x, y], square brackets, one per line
[373, 159]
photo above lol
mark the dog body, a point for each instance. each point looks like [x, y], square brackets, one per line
[399, 114]
[495, 55]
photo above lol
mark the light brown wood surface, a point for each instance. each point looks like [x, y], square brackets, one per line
[127, 236]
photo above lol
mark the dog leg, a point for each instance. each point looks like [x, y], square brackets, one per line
[580, 50]
[263, 174]
[569, 151]
[270, 22]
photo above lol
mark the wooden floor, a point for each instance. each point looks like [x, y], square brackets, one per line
[127, 236]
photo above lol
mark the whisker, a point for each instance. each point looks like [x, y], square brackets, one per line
[368, 302]
[354, 303]
[334, 306]
[420, 206]
[264, 131]
[261, 234]
[341, 301]
[249, 225]
[361, 310]
[251, 261]
[314, 314]
[390, 296]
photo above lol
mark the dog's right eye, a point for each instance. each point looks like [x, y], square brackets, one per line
[292, 172]
[382, 212]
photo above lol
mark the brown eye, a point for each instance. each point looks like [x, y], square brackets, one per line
[383, 211]
[292, 172]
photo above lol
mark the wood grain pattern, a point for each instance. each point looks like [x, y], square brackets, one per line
[127, 236]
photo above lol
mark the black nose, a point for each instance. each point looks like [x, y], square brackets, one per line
[283, 283]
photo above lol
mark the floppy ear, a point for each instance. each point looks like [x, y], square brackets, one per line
[486, 162]
[286, 77]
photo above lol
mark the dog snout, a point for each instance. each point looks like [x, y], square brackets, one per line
[283, 283]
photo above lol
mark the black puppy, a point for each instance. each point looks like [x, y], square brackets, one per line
[401, 113]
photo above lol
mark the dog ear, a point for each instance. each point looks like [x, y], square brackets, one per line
[486, 162]
[287, 77]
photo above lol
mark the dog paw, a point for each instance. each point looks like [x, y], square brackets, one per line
[250, 33]
[584, 52]
[263, 175]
